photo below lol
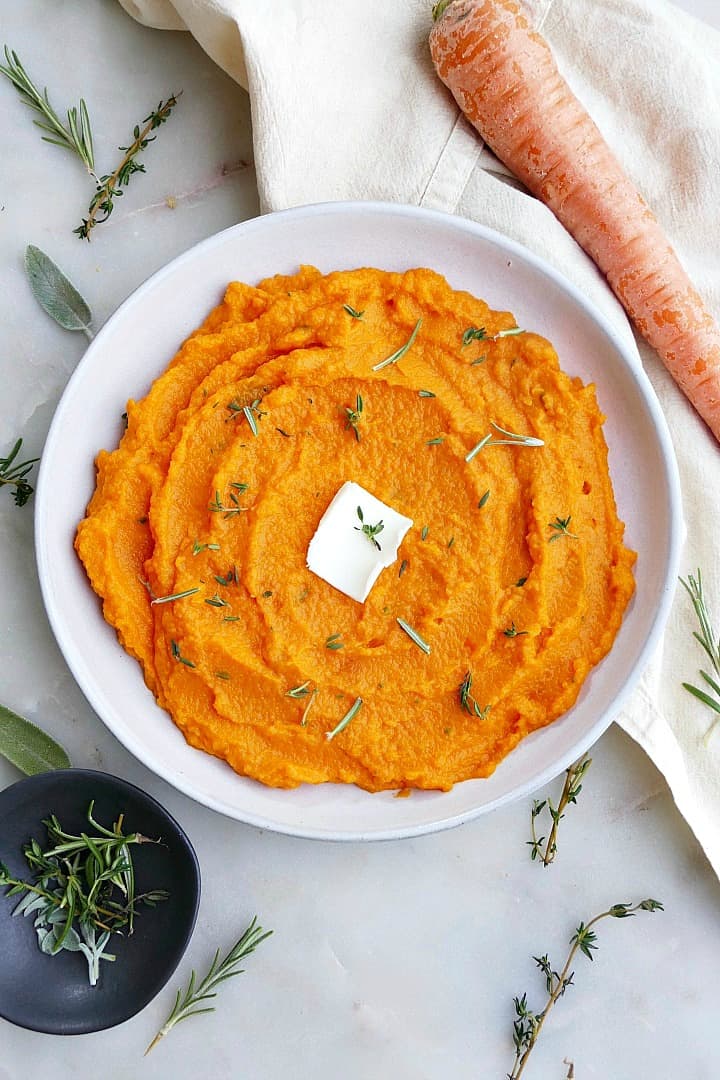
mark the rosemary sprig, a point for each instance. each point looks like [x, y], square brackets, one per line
[710, 643]
[75, 136]
[15, 474]
[468, 702]
[414, 636]
[528, 1024]
[174, 596]
[186, 1004]
[571, 789]
[511, 439]
[371, 531]
[560, 525]
[354, 416]
[110, 186]
[83, 885]
[399, 353]
[349, 715]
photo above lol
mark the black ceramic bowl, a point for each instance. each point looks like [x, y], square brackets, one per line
[52, 993]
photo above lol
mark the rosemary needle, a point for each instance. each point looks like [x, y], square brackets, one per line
[349, 715]
[394, 357]
[186, 1004]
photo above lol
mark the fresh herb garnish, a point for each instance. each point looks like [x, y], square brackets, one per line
[75, 136]
[299, 691]
[110, 186]
[198, 547]
[225, 675]
[436, 441]
[467, 701]
[216, 601]
[560, 525]
[349, 715]
[403, 567]
[187, 1004]
[174, 596]
[484, 499]
[84, 889]
[352, 312]
[354, 416]
[424, 532]
[571, 789]
[511, 440]
[451, 541]
[218, 507]
[371, 531]
[710, 643]
[334, 642]
[414, 636]
[394, 357]
[426, 393]
[474, 333]
[56, 294]
[478, 360]
[520, 582]
[27, 746]
[512, 631]
[177, 655]
[528, 1024]
[16, 474]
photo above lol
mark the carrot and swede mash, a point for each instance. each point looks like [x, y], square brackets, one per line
[514, 574]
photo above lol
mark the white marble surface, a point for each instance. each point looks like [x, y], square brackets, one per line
[394, 960]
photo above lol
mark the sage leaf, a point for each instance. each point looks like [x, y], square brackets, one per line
[55, 294]
[27, 746]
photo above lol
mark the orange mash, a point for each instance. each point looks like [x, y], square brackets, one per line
[514, 573]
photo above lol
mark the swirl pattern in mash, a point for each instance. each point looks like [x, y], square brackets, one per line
[228, 464]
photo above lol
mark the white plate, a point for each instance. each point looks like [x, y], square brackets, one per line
[136, 345]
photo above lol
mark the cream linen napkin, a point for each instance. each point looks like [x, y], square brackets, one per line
[345, 105]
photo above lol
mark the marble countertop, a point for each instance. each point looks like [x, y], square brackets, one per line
[388, 960]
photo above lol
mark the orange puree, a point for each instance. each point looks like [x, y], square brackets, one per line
[526, 609]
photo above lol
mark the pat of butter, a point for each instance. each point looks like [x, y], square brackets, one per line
[341, 554]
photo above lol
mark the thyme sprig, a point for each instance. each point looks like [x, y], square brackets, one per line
[75, 135]
[528, 1024]
[14, 473]
[354, 416]
[479, 333]
[187, 1004]
[709, 641]
[560, 525]
[467, 700]
[511, 439]
[110, 186]
[84, 889]
[371, 531]
[218, 507]
[571, 789]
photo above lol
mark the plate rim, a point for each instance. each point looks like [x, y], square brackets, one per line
[671, 478]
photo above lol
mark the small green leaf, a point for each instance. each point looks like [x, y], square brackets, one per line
[27, 746]
[55, 294]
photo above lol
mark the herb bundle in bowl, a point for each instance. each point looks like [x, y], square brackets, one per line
[84, 854]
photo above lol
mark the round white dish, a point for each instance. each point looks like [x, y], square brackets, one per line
[137, 343]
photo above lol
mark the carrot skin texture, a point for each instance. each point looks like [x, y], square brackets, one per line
[504, 78]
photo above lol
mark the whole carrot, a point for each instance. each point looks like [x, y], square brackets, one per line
[504, 78]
